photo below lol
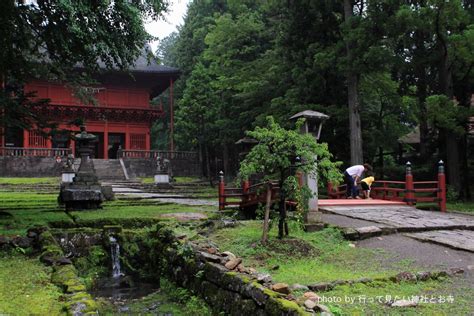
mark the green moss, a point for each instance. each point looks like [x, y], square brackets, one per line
[90, 306]
[26, 287]
[63, 274]
[271, 293]
[280, 306]
[75, 286]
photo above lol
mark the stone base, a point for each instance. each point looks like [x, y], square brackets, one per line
[67, 177]
[313, 227]
[80, 197]
[162, 179]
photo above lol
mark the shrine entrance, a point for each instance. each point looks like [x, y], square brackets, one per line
[98, 152]
[116, 142]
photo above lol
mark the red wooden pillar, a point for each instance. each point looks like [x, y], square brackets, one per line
[409, 187]
[127, 138]
[221, 191]
[171, 117]
[25, 138]
[106, 140]
[245, 190]
[147, 142]
[441, 187]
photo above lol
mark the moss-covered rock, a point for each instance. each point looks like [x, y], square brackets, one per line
[280, 307]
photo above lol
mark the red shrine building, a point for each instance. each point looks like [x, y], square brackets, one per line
[121, 117]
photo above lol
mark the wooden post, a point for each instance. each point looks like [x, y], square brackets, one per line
[221, 191]
[245, 190]
[266, 219]
[106, 140]
[441, 187]
[330, 189]
[410, 194]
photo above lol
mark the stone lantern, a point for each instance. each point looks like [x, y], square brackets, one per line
[245, 145]
[312, 125]
[85, 191]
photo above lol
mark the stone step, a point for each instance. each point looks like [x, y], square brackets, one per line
[108, 169]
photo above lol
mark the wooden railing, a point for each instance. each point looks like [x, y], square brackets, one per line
[34, 152]
[408, 191]
[154, 154]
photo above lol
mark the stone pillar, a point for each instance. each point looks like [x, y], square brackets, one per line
[313, 125]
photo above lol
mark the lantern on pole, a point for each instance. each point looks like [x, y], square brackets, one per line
[313, 125]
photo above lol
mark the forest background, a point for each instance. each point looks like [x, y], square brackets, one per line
[379, 68]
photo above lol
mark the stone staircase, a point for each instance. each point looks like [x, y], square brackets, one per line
[107, 170]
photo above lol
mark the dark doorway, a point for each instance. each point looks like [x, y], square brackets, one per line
[13, 137]
[61, 139]
[116, 141]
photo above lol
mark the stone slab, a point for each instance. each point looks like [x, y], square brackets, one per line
[404, 218]
[457, 239]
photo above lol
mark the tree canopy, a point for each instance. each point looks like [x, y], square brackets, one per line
[49, 39]
[386, 66]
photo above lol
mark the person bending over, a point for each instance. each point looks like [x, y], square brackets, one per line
[352, 176]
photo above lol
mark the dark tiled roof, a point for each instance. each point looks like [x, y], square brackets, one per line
[148, 65]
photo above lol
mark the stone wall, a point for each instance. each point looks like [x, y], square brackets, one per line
[216, 278]
[29, 167]
[147, 167]
[47, 167]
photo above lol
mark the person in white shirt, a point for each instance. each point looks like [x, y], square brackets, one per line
[352, 176]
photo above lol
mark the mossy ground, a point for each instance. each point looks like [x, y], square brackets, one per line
[307, 258]
[304, 258]
[24, 209]
[26, 288]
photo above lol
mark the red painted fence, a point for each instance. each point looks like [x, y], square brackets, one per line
[408, 191]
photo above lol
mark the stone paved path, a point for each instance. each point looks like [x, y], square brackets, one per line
[458, 239]
[404, 217]
[448, 229]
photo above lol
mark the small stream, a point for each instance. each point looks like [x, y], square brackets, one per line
[115, 255]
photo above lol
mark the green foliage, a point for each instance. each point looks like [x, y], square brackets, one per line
[277, 149]
[446, 114]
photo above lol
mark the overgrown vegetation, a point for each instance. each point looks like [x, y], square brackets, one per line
[169, 300]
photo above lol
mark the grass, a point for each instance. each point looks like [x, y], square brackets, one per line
[25, 209]
[437, 298]
[14, 181]
[465, 207]
[28, 290]
[331, 258]
[308, 258]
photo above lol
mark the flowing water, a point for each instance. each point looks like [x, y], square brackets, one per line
[115, 254]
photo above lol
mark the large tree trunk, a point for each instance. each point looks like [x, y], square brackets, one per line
[421, 91]
[452, 140]
[225, 158]
[208, 166]
[353, 98]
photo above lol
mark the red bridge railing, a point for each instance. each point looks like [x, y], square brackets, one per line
[408, 191]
